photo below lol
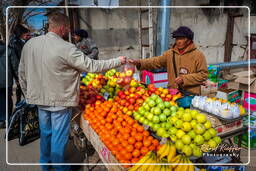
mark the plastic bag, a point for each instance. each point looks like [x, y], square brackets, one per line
[126, 74]
[29, 124]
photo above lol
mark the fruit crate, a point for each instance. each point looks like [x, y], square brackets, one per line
[105, 155]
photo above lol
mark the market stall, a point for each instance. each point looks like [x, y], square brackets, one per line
[128, 122]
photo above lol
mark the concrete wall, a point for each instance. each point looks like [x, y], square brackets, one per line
[116, 31]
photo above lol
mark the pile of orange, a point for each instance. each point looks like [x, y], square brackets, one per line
[122, 135]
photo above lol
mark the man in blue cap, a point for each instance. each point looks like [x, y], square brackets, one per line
[85, 44]
[186, 65]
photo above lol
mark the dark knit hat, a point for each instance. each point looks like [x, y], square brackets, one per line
[183, 31]
[20, 29]
[82, 33]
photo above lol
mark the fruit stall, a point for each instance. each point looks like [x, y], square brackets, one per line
[131, 123]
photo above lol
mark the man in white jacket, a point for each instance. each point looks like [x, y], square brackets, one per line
[49, 73]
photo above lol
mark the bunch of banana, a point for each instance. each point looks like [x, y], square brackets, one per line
[167, 150]
[179, 159]
[161, 167]
[149, 158]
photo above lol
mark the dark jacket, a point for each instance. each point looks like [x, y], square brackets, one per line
[17, 44]
[13, 65]
[190, 65]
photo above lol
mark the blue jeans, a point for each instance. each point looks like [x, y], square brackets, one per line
[54, 135]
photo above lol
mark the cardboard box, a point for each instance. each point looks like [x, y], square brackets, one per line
[230, 95]
[243, 81]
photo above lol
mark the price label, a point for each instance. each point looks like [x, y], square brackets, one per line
[145, 127]
[105, 153]
[106, 95]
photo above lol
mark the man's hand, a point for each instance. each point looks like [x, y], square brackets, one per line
[122, 59]
[179, 80]
[134, 62]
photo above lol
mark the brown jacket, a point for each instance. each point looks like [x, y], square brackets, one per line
[191, 65]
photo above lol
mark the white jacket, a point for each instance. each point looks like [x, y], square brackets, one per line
[49, 70]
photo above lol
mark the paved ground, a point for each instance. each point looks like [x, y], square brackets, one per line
[30, 154]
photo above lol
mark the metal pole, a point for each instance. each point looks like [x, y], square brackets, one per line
[67, 13]
[163, 27]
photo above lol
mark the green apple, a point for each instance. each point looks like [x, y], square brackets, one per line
[150, 116]
[167, 112]
[186, 139]
[150, 124]
[151, 103]
[180, 133]
[199, 129]
[217, 139]
[162, 124]
[212, 144]
[194, 113]
[159, 100]
[213, 132]
[179, 114]
[173, 138]
[142, 119]
[199, 140]
[168, 125]
[142, 110]
[162, 117]
[152, 110]
[155, 127]
[186, 126]
[197, 152]
[178, 123]
[192, 134]
[186, 117]
[207, 124]
[207, 135]
[167, 104]
[173, 108]
[161, 106]
[154, 96]
[137, 117]
[172, 130]
[155, 119]
[173, 120]
[192, 145]
[181, 109]
[146, 107]
[157, 111]
[179, 145]
[187, 150]
[145, 122]
[201, 118]
[161, 132]
[193, 123]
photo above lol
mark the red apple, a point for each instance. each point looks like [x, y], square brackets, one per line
[132, 89]
[131, 100]
[139, 101]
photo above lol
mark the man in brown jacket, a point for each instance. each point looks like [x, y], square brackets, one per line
[190, 63]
